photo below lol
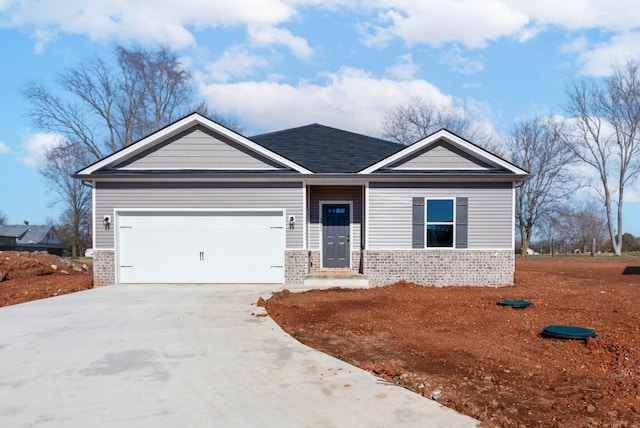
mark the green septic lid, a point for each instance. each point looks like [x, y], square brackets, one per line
[631, 270]
[568, 332]
[515, 304]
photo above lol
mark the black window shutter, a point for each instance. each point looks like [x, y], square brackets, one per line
[418, 223]
[462, 222]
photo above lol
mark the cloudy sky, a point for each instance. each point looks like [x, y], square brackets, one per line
[274, 64]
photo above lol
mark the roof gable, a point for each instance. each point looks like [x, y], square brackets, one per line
[199, 148]
[323, 149]
[204, 137]
[441, 155]
[443, 151]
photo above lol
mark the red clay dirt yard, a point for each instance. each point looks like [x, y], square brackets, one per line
[30, 276]
[485, 360]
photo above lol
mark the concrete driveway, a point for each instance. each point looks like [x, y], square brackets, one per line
[183, 356]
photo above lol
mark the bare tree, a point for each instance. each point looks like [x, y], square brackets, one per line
[421, 117]
[157, 85]
[583, 223]
[67, 232]
[61, 162]
[605, 136]
[537, 146]
[3, 218]
[106, 108]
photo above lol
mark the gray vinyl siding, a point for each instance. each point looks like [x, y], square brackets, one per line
[198, 148]
[319, 194]
[490, 213]
[442, 156]
[185, 196]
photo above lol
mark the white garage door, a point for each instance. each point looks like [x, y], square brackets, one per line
[211, 247]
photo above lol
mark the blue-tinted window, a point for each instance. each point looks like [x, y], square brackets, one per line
[440, 222]
[439, 211]
[336, 210]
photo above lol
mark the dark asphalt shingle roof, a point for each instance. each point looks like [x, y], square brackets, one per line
[25, 234]
[323, 149]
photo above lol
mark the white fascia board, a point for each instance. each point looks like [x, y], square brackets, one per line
[451, 138]
[179, 126]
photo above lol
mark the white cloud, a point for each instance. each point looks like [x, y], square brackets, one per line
[472, 24]
[4, 148]
[235, 62]
[459, 63]
[436, 22]
[144, 21]
[530, 32]
[36, 146]
[632, 194]
[404, 69]
[621, 15]
[349, 99]
[577, 45]
[267, 36]
[42, 38]
[598, 60]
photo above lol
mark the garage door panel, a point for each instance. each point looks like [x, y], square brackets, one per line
[217, 247]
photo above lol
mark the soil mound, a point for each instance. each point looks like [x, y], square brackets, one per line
[28, 276]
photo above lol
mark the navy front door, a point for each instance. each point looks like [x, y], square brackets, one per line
[336, 249]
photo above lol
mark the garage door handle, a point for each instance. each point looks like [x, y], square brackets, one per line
[201, 255]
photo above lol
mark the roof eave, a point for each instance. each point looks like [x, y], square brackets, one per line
[177, 127]
[452, 138]
[317, 177]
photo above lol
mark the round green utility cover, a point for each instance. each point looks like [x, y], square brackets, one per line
[515, 304]
[568, 332]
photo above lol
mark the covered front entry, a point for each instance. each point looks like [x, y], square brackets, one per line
[336, 235]
[200, 247]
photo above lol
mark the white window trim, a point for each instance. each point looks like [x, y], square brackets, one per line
[320, 242]
[366, 216]
[426, 223]
[305, 216]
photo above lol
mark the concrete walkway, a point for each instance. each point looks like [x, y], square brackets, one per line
[183, 356]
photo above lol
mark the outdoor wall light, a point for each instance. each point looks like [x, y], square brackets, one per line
[107, 222]
[292, 222]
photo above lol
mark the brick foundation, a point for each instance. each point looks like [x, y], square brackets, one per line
[295, 266]
[104, 267]
[426, 267]
[440, 267]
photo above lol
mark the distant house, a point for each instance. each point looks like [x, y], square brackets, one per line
[196, 202]
[27, 237]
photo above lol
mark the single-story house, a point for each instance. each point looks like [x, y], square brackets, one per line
[27, 237]
[196, 202]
